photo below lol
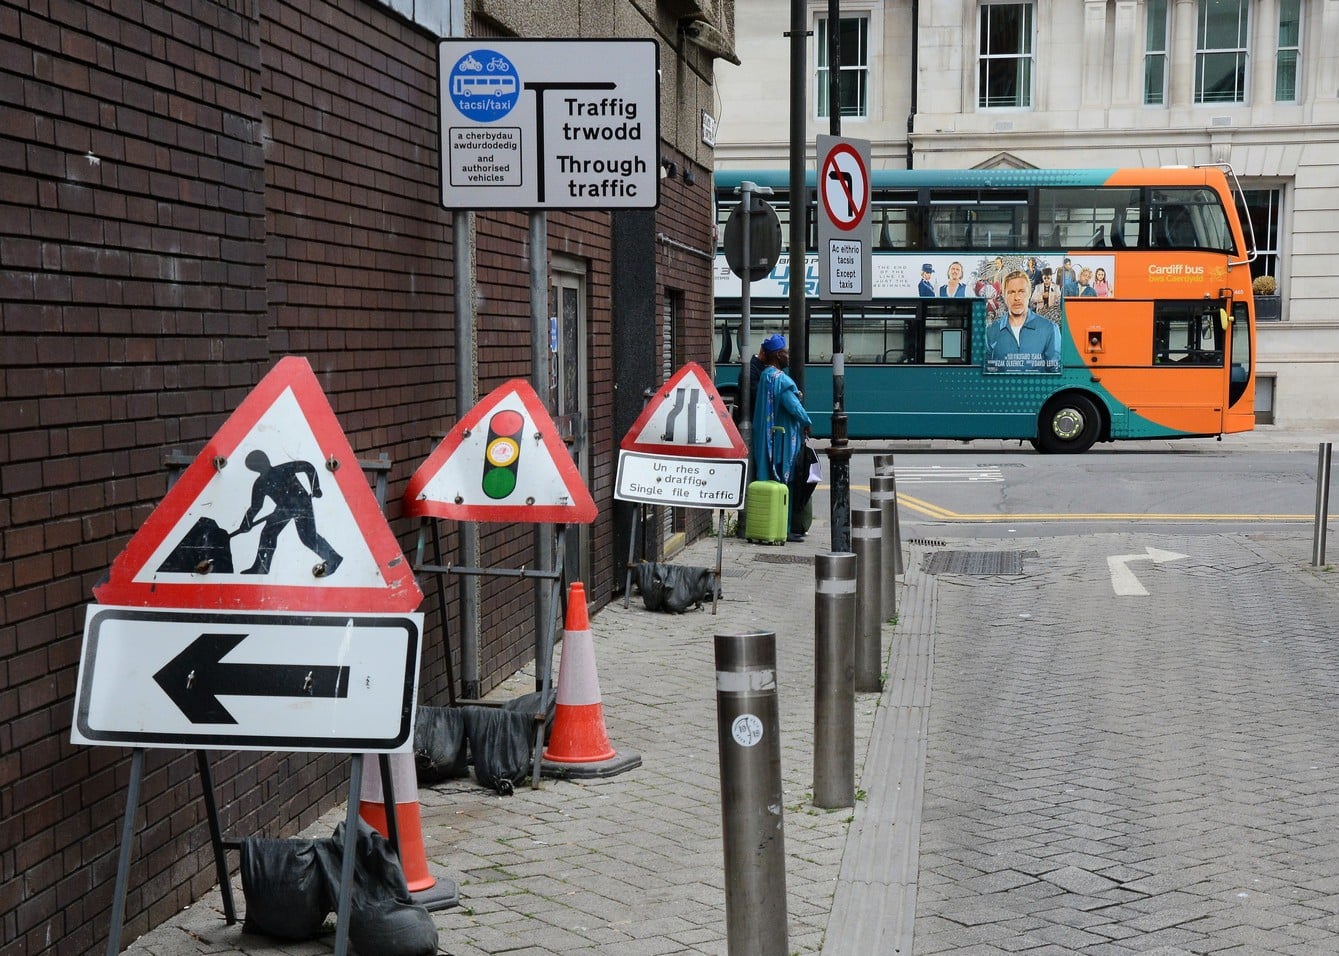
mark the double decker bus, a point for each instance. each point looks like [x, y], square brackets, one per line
[1142, 275]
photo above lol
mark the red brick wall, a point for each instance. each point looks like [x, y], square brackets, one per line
[187, 193]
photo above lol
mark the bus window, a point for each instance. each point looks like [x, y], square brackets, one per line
[1087, 218]
[1241, 352]
[1187, 333]
[1188, 219]
[894, 226]
[946, 334]
[874, 339]
[962, 219]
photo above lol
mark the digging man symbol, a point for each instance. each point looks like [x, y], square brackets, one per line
[282, 484]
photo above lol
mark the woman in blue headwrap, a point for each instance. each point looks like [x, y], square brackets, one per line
[779, 424]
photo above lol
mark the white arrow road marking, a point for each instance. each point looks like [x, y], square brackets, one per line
[1123, 580]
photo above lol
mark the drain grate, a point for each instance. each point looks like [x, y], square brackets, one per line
[784, 558]
[974, 562]
[928, 543]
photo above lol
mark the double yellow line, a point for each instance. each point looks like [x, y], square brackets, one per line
[929, 510]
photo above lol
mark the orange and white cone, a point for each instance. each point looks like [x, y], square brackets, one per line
[425, 888]
[578, 742]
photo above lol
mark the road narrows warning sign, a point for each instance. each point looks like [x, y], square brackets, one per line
[686, 418]
[274, 514]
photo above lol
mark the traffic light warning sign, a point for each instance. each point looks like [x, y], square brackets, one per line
[504, 461]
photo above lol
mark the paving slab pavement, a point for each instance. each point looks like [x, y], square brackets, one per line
[1049, 769]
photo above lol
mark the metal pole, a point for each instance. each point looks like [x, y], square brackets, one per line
[1322, 504]
[542, 379]
[462, 229]
[834, 679]
[839, 454]
[745, 340]
[745, 317]
[883, 468]
[748, 734]
[866, 532]
[799, 198]
[883, 495]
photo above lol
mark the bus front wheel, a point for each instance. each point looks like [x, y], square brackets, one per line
[1069, 424]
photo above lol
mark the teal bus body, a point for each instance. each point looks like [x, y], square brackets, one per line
[1165, 352]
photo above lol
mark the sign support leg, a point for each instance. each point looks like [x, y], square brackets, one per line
[632, 550]
[123, 860]
[547, 633]
[441, 614]
[216, 836]
[349, 852]
[388, 799]
[720, 546]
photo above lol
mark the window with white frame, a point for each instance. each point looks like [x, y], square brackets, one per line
[1289, 49]
[1265, 207]
[1155, 53]
[1220, 51]
[852, 67]
[1004, 70]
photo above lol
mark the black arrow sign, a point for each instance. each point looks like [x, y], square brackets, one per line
[196, 677]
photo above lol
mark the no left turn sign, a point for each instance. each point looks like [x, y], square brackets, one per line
[844, 186]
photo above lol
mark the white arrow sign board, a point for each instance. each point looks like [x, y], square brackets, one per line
[247, 680]
[681, 482]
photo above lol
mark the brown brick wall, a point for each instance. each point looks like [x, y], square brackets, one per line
[187, 193]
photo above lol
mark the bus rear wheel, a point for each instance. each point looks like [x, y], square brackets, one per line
[1069, 424]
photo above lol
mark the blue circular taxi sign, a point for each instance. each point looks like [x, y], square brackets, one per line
[484, 85]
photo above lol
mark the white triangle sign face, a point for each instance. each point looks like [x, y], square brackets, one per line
[274, 514]
[686, 418]
[504, 461]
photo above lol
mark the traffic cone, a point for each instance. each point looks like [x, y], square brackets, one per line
[426, 889]
[578, 743]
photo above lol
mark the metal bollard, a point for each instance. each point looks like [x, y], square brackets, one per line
[866, 535]
[748, 735]
[883, 468]
[834, 679]
[883, 495]
[1322, 504]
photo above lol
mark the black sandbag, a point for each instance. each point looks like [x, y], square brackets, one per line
[502, 745]
[530, 704]
[675, 587]
[284, 884]
[384, 920]
[439, 744]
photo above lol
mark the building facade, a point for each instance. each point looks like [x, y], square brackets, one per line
[191, 191]
[1099, 83]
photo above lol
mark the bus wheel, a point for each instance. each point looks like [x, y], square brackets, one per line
[1069, 425]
